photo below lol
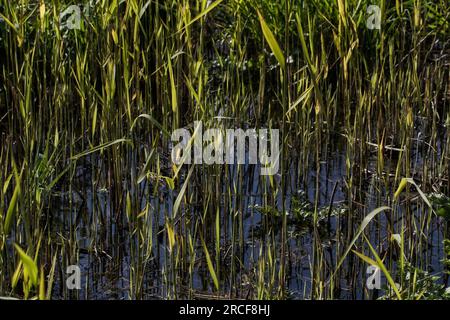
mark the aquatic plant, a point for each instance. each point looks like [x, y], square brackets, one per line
[91, 93]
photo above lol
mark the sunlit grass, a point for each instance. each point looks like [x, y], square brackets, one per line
[86, 176]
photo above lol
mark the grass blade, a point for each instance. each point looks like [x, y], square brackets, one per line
[29, 265]
[273, 44]
[209, 263]
[363, 225]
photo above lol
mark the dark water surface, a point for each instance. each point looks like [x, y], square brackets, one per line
[104, 239]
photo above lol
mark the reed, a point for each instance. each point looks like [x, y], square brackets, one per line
[86, 175]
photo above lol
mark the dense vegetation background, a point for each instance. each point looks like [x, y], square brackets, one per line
[85, 171]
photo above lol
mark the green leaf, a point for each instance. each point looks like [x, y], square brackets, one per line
[153, 121]
[203, 13]
[12, 207]
[170, 182]
[99, 148]
[273, 44]
[144, 7]
[16, 276]
[173, 90]
[170, 235]
[385, 271]
[411, 181]
[144, 171]
[444, 212]
[366, 258]
[29, 265]
[209, 263]
[177, 203]
[400, 188]
[363, 225]
[9, 23]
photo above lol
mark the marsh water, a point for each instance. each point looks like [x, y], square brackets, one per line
[87, 182]
[105, 245]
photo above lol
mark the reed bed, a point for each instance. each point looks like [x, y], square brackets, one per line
[87, 179]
